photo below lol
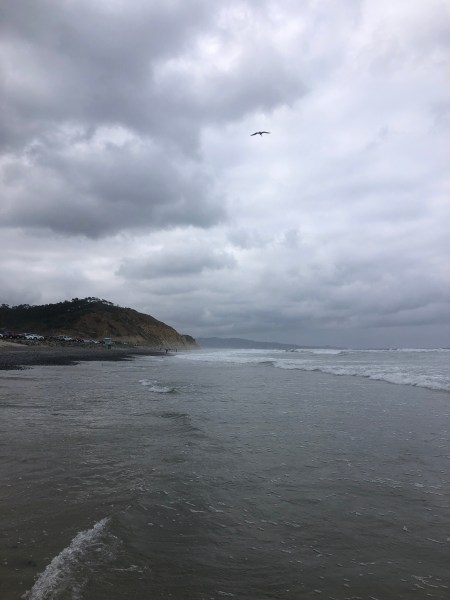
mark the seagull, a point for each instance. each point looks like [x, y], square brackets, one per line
[259, 133]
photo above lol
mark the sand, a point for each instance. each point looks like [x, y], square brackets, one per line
[21, 355]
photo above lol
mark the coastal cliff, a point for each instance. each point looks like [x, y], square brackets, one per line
[95, 319]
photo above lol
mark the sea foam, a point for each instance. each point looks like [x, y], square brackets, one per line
[154, 386]
[59, 575]
[380, 373]
[426, 368]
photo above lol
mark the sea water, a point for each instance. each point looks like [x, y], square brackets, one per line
[228, 474]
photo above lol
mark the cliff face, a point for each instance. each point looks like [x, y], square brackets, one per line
[94, 319]
[128, 325]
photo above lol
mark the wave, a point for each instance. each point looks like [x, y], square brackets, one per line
[154, 386]
[396, 376]
[319, 351]
[232, 357]
[60, 575]
[402, 366]
[425, 350]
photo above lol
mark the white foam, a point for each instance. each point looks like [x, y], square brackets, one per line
[419, 350]
[58, 576]
[420, 367]
[378, 373]
[319, 351]
[154, 386]
[231, 356]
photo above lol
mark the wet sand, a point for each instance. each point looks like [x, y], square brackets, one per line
[15, 356]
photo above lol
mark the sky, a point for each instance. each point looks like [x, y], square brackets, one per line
[128, 170]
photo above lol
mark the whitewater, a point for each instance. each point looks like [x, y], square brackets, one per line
[428, 368]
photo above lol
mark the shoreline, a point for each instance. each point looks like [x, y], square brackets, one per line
[14, 356]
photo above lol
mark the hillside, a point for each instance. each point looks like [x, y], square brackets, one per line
[92, 318]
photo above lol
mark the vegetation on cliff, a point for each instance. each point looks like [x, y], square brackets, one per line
[95, 319]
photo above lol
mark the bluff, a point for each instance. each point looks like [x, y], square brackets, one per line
[93, 318]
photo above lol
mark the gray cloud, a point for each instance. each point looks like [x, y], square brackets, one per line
[139, 66]
[181, 262]
[88, 63]
[77, 73]
[99, 192]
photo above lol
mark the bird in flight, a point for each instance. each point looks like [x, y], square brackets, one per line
[259, 133]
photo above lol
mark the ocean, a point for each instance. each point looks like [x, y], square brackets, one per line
[247, 474]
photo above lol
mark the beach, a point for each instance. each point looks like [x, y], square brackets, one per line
[15, 355]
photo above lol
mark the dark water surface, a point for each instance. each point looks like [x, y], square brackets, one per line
[169, 478]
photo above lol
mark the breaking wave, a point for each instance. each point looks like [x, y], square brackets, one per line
[154, 386]
[67, 572]
[426, 368]
[386, 373]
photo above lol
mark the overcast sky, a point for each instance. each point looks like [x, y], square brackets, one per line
[128, 171]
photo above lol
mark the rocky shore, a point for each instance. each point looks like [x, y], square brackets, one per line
[20, 356]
